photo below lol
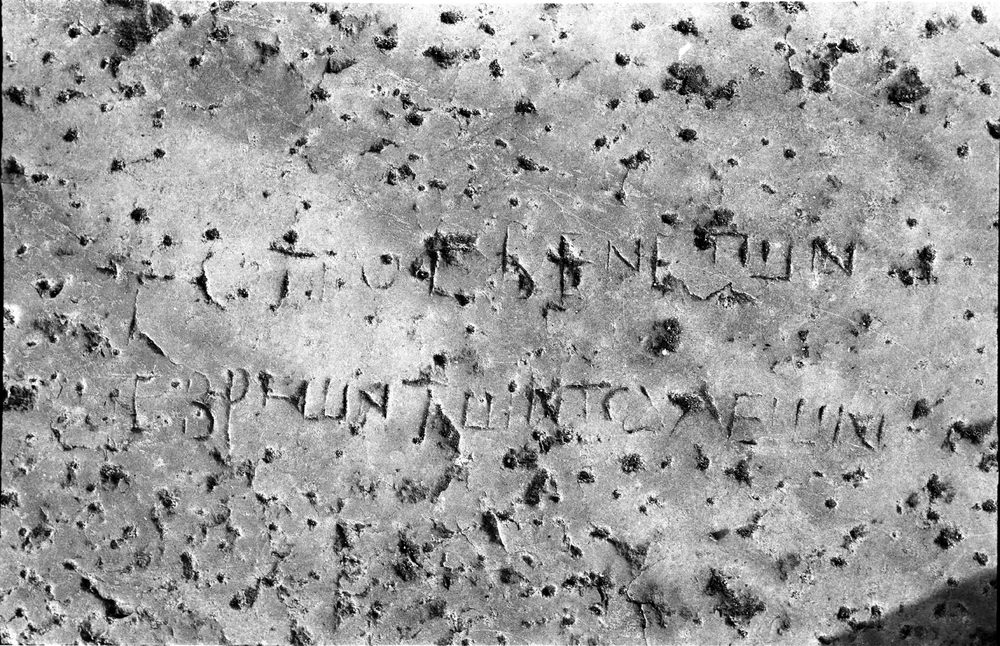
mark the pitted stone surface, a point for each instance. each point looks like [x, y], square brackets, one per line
[480, 324]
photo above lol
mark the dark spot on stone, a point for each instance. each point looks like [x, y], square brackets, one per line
[300, 635]
[160, 17]
[789, 153]
[525, 106]
[685, 27]
[633, 161]
[856, 477]
[139, 215]
[948, 537]
[922, 408]
[692, 78]
[937, 489]
[525, 458]
[688, 134]
[402, 172]
[922, 271]
[19, 397]
[13, 167]
[388, 40]
[701, 461]
[446, 58]
[9, 499]
[857, 533]
[979, 15]
[509, 576]
[381, 144]
[908, 87]
[129, 91]
[451, 17]
[787, 565]
[338, 65]
[726, 91]
[646, 95]
[634, 554]
[212, 234]
[16, 95]
[319, 93]
[490, 524]
[741, 472]
[988, 462]
[737, 609]
[666, 336]
[974, 432]
[748, 530]
[848, 46]
[622, 59]
[244, 599]
[133, 32]
[47, 288]
[529, 164]
[741, 22]
[632, 463]
[795, 80]
[537, 484]
[221, 33]
[113, 474]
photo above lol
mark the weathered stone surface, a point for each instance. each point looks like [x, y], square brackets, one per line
[347, 323]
